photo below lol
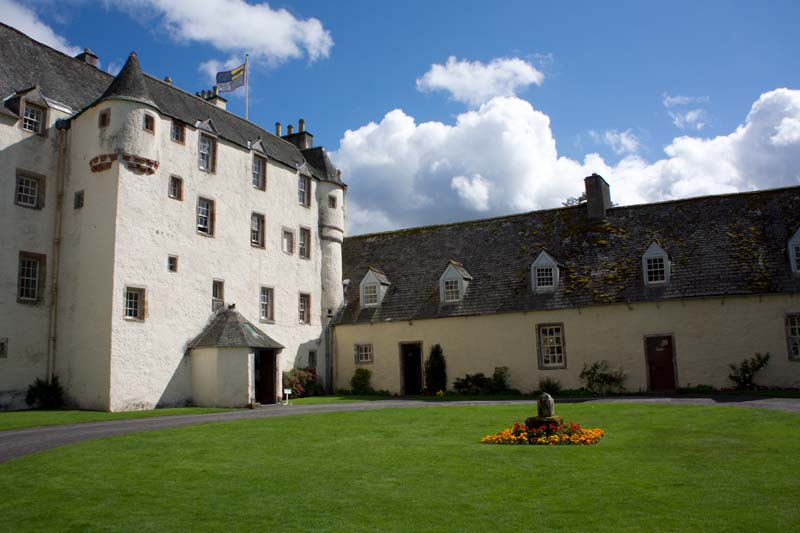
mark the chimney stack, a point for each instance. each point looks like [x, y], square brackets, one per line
[168, 80]
[278, 129]
[89, 57]
[302, 139]
[598, 197]
[289, 129]
[301, 125]
[213, 97]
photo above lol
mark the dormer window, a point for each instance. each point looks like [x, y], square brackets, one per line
[794, 252]
[544, 273]
[33, 118]
[655, 265]
[373, 287]
[453, 283]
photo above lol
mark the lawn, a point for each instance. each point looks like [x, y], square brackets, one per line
[659, 468]
[26, 419]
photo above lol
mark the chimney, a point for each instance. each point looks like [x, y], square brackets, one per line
[168, 80]
[278, 129]
[302, 139]
[301, 126]
[87, 56]
[598, 197]
[213, 97]
[289, 130]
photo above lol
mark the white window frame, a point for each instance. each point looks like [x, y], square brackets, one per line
[259, 173]
[257, 230]
[304, 243]
[793, 336]
[304, 190]
[205, 216]
[266, 302]
[28, 191]
[371, 294]
[794, 252]
[654, 254]
[544, 261]
[30, 277]
[33, 118]
[363, 354]
[551, 346]
[209, 162]
[217, 294]
[134, 307]
[284, 233]
[304, 308]
[176, 193]
[177, 132]
[449, 291]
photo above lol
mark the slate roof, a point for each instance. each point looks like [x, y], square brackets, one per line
[25, 63]
[229, 329]
[718, 245]
[321, 166]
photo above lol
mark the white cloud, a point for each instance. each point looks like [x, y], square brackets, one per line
[502, 158]
[235, 26]
[621, 142]
[27, 21]
[677, 100]
[475, 83]
[693, 118]
[211, 67]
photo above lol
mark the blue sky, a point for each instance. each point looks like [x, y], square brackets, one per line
[664, 100]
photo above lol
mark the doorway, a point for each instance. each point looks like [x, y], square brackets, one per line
[265, 369]
[411, 367]
[660, 356]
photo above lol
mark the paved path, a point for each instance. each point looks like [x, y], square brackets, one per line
[19, 442]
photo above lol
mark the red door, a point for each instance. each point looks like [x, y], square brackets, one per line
[660, 357]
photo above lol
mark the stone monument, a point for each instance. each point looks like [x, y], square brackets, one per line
[545, 418]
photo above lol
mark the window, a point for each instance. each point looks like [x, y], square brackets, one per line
[217, 294]
[304, 249]
[304, 190]
[330, 312]
[304, 308]
[551, 346]
[149, 123]
[257, 230]
[544, 278]
[77, 201]
[267, 304]
[287, 242]
[655, 265]
[794, 252]
[30, 191]
[797, 256]
[371, 294]
[207, 154]
[177, 132]
[312, 359]
[33, 118]
[363, 353]
[656, 271]
[134, 303]
[259, 172]
[172, 263]
[451, 290]
[104, 118]
[205, 216]
[30, 280]
[331, 201]
[793, 336]
[175, 190]
[3, 348]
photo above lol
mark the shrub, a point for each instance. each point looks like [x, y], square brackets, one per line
[45, 395]
[742, 374]
[436, 370]
[303, 382]
[549, 385]
[500, 379]
[600, 380]
[473, 384]
[360, 382]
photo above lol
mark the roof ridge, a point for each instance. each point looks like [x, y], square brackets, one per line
[564, 208]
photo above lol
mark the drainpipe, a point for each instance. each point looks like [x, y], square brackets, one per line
[61, 129]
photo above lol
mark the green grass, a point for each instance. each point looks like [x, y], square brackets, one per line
[26, 419]
[659, 468]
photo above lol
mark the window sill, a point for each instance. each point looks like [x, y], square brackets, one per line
[267, 320]
[207, 235]
[29, 301]
[176, 141]
[364, 363]
[257, 246]
[131, 319]
[34, 207]
[560, 367]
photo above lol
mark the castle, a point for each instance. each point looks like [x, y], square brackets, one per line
[158, 250]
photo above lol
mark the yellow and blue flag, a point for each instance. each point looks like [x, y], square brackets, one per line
[230, 80]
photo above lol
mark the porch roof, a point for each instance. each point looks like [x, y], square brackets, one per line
[229, 329]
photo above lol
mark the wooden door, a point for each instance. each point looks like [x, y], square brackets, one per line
[411, 363]
[265, 376]
[660, 355]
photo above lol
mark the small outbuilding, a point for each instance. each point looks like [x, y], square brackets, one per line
[234, 363]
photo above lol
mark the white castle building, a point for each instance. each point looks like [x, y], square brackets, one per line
[133, 215]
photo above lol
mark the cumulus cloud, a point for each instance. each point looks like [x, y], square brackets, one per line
[693, 118]
[621, 142]
[27, 21]
[475, 83]
[235, 26]
[501, 158]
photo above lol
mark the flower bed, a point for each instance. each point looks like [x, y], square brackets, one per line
[549, 435]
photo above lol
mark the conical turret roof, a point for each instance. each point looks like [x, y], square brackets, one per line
[130, 83]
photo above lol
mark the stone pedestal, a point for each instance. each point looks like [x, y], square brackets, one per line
[536, 422]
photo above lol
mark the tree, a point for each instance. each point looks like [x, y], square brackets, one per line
[436, 370]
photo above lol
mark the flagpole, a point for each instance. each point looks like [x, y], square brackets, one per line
[246, 87]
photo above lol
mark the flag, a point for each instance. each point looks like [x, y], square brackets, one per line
[230, 80]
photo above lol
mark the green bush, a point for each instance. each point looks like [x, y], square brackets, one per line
[549, 385]
[600, 380]
[500, 379]
[473, 384]
[360, 382]
[436, 370]
[742, 374]
[45, 395]
[303, 382]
